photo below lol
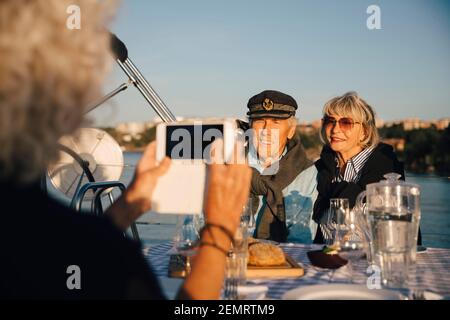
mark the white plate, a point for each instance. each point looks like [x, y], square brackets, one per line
[339, 292]
[252, 292]
[432, 296]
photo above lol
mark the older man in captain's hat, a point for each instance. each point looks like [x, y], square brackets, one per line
[284, 183]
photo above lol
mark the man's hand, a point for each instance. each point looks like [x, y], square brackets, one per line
[137, 199]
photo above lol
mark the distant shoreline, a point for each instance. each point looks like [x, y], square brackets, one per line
[313, 154]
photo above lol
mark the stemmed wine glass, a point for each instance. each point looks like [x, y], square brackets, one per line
[349, 237]
[186, 241]
[199, 222]
[248, 219]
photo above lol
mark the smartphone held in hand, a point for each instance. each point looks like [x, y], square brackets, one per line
[189, 144]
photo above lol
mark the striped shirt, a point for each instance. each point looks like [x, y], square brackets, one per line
[352, 173]
[353, 167]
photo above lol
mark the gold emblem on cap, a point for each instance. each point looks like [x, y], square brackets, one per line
[267, 104]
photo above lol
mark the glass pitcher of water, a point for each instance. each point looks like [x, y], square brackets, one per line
[392, 211]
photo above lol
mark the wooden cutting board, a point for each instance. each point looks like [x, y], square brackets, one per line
[290, 269]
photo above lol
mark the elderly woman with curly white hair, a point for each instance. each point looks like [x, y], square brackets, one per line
[49, 74]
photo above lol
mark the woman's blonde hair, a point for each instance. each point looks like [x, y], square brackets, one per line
[353, 106]
[49, 73]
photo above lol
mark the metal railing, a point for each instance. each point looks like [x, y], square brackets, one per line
[98, 188]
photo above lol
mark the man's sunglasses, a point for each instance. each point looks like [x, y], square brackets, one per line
[344, 123]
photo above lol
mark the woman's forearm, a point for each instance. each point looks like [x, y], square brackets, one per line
[207, 275]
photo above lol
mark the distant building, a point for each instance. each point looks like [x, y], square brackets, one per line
[397, 143]
[442, 124]
[411, 124]
[133, 129]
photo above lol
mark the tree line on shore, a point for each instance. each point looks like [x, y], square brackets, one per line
[425, 150]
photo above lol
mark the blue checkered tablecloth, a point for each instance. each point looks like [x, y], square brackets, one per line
[434, 266]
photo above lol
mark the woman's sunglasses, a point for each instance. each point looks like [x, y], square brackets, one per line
[345, 124]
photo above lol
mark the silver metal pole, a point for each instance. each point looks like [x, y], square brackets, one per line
[160, 111]
[149, 88]
[127, 72]
[122, 87]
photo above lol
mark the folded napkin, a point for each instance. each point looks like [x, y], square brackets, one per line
[320, 259]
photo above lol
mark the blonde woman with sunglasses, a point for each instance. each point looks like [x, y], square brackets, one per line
[352, 157]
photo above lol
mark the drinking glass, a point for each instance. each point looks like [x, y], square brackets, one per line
[186, 241]
[199, 222]
[248, 219]
[236, 264]
[230, 289]
[347, 236]
[338, 210]
[240, 251]
[349, 240]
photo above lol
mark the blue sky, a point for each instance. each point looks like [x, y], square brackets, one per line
[207, 58]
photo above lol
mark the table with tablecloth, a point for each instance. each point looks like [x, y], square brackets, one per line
[434, 266]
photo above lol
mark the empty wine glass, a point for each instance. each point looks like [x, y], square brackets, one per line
[337, 207]
[199, 222]
[248, 219]
[186, 241]
[349, 237]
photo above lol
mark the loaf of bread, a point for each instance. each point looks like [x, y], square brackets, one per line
[265, 254]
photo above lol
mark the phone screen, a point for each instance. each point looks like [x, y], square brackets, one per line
[191, 141]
